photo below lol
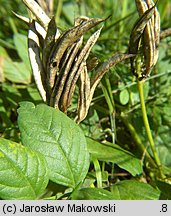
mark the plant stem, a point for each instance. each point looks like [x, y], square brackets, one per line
[98, 172]
[59, 10]
[124, 13]
[13, 26]
[137, 140]
[147, 127]
[107, 91]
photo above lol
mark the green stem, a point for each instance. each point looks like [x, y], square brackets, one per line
[107, 91]
[147, 127]
[59, 10]
[137, 140]
[98, 172]
[124, 13]
[13, 26]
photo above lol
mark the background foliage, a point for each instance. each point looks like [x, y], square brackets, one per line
[115, 113]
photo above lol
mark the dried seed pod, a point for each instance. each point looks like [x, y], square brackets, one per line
[36, 63]
[92, 62]
[136, 34]
[150, 36]
[49, 41]
[84, 92]
[66, 66]
[40, 30]
[156, 34]
[47, 5]
[87, 89]
[65, 40]
[104, 67]
[23, 18]
[165, 33]
[76, 70]
[34, 7]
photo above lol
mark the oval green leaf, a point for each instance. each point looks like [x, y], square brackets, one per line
[124, 97]
[165, 189]
[134, 190]
[23, 173]
[58, 138]
[21, 45]
[113, 153]
[16, 72]
[93, 194]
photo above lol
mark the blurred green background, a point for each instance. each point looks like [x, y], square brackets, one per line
[17, 84]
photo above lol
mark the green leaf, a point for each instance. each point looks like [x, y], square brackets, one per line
[20, 42]
[134, 94]
[165, 190]
[163, 145]
[58, 138]
[93, 194]
[11, 95]
[124, 97]
[16, 72]
[69, 10]
[23, 173]
[134, 190]
[114, 153]
[4, 116]
[34, 94]
[163, 138]
[3, 52]
[3, 55]
[90, 125]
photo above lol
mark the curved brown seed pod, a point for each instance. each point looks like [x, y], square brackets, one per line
[76, 70]
[36, 63]
[49, 41]
[156, 34]
[151, 35]
[66, 40]
[138, 29]
[87, 89]
[84, 92]
[64, 72]
[34, 7]
[148, 34]
[136, 34]
[40, 30]
[165, 33]
[104, 67]
[74, 73]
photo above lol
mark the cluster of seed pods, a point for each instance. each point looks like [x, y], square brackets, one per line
[59, 59]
